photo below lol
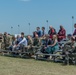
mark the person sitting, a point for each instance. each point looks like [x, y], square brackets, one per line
[36, 41]
[18, 39]
[21, 44]
[6, 40]
[69, 37]
[29, 40]
[12, 43]
[51, 32]
[45, 42]
[61, 34]
[68, 49]
[51, 48]
[74, 34]
[34, 33]
[35, 46]
[71, 44]
[64, 41]
[24, 40]
[42, 40]
[38, 31]
[1, 37]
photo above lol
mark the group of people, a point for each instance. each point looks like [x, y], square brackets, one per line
[52, 31]
[50, 41]
[15, 42]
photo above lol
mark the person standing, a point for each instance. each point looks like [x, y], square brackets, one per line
[51, 32]
[38, 31]
[74, 33]
[43, 32]
[61, 33]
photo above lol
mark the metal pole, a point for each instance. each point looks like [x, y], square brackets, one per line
[18, 29]
[72, 23]
[47, 25]
[29, 28]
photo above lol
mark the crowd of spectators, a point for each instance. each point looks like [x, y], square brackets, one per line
[40, 37]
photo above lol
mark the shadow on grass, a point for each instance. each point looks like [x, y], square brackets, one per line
[45, 60]
[17, 56]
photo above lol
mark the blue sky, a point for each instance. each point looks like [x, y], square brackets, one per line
[36, 12]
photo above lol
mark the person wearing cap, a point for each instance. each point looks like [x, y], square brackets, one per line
[61, 33]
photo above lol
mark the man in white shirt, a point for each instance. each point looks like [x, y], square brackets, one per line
[22, 43]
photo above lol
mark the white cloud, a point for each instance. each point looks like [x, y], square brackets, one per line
[25, 0]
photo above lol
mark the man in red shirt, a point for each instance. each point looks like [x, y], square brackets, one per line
[51, 32]
[61, 33]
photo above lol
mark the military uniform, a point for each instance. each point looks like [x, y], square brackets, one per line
[29, 47]
[1, 39]
[36, 42]
[6, 41]
[30, 42]
[69, 48]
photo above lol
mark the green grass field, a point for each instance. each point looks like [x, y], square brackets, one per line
[18, 66]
